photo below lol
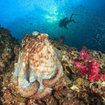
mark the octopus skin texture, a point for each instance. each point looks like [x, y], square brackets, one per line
[38, 68]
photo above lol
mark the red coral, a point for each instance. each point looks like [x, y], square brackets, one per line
[83, 70]
[84, 55]
[92, 70]
[101, 76]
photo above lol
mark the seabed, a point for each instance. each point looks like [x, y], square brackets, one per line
[71, 89]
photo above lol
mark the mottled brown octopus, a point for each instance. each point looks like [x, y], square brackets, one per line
[38, 68]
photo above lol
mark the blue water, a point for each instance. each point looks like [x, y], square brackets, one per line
[25, 16]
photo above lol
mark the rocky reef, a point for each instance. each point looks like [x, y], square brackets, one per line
[77, 86]
[7, 54]
[7, 45]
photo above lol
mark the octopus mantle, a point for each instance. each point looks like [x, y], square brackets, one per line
[38, 68]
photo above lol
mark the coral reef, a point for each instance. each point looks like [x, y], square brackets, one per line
[7, 44]
[7, 55]
[74, 88]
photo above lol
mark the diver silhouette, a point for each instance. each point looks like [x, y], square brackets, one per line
[64, 22]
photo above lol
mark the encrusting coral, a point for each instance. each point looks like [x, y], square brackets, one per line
[38, 68]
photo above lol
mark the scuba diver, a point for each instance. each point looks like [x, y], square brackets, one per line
[64, 22]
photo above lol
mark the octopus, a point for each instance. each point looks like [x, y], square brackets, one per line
[38, 68]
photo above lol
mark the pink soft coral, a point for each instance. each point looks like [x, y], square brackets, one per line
[84, 55]
[82, 70]
[92, 70]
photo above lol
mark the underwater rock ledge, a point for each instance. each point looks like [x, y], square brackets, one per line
[7, 44]
[71, 89]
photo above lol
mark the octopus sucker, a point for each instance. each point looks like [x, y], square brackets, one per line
[42, 94]
[38, 68]
[51, 82]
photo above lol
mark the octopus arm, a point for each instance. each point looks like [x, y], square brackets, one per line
[42, 94]
[51, 82]
[20, 62]
[17, 70]
[29, 91]
[32, 88]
